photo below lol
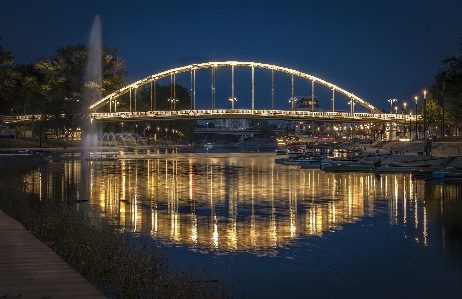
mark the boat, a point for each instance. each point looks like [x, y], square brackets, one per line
[281, 151]
[362, 167]
[296, 150]
[394, 169]
[423, 172]
[448, 173]
[315, 162]
[207, 145]
[330, 161]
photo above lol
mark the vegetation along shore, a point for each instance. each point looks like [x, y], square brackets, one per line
[120, 265]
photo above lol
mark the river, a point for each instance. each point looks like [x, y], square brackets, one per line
[276, 230]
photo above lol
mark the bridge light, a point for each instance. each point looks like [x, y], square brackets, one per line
[391, 101]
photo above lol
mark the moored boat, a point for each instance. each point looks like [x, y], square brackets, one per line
[281, 151]
[361, 167]
[447, 173]
[394, 169]
[208, 145]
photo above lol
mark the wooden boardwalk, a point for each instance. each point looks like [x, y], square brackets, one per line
[29, 269]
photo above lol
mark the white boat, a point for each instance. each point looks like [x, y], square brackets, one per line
[296, 150]
[208, 145]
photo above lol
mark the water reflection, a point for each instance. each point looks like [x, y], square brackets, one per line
[379, 232]
[235, 202]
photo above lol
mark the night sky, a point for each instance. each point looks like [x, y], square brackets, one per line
[375, 49]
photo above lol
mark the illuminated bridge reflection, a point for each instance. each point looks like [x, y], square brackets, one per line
[230, 202]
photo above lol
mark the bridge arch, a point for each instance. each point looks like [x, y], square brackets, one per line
[207, 65]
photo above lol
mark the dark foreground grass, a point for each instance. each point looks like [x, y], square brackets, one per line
[121, 265]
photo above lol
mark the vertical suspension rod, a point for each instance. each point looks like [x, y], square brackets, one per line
[272, 89]
[312, 95]
[333, 99]
[292, 98]
[232, 87]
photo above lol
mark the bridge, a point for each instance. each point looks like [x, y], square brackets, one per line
[106, 108]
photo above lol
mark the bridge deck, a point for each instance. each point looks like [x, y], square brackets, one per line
[236, 113]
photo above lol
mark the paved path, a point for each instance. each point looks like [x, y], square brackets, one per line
[29, 269]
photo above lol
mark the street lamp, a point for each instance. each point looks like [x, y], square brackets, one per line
[391, 104]
[416, 133]
[410, 125]
[207, 126]
[122, 128]
[352, 107]
[172, 103]
[232, 102]
[404, 119]
[425, 113]
[292, 101]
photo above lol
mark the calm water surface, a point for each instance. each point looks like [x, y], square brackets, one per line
[278, 231]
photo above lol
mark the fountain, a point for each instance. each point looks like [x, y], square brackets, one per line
[92, 87]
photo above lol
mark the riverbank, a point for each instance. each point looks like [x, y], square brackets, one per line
[443, 154]
[39, 236]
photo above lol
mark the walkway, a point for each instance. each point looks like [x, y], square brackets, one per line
[29, 269]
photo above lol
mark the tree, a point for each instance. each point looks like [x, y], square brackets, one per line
[7, 82]
[448, 90]
[64, 84]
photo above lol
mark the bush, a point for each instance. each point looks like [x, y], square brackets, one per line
[121, 265]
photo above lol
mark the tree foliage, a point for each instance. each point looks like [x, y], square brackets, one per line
[8, 77]
[446, 94]
[64, 84]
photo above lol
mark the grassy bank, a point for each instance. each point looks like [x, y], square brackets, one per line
[35, 143]
[121, 265]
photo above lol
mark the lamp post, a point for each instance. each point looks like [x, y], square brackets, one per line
[410, 125]
[391, 101]
[404, 119]
[292, 101]
[232, 99]
[425, 113]
[352, 107]
[122, 128]
[416, 133]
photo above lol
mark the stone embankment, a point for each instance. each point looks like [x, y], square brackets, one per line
[443, 154]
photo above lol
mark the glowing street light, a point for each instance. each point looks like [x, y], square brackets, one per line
[416, 133]
[172, 103]
[391, 104]
[292, 101]
[352, 107]
[404, 119]
[232, 102]
[425, 113]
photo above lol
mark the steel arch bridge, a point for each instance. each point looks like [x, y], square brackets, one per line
[230, 113]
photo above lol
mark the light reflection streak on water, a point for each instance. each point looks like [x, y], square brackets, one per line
[233, 203]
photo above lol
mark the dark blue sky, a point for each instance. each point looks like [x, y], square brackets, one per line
[375, 49]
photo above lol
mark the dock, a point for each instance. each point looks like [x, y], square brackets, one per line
[30, 269]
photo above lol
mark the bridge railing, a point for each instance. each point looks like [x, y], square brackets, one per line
[236, 113]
